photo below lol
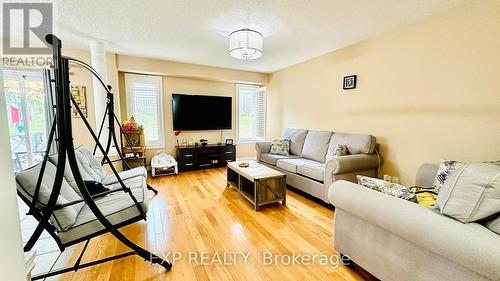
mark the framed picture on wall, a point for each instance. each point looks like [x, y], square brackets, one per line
[349, 82]
[80, 95]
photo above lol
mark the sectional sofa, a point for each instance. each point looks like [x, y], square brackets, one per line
[394, 239]
[312, 168]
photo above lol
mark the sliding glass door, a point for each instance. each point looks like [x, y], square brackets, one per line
[27, 116]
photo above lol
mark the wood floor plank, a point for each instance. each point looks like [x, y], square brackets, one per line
[195, 213]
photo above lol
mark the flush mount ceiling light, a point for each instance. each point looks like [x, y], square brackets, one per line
[245, 44]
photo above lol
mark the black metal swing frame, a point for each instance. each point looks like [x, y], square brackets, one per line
[61, 132]
[110, 115]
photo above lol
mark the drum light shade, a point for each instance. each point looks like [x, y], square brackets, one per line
[245, 44]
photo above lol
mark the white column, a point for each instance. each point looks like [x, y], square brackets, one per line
[11, 257]
[98, 58]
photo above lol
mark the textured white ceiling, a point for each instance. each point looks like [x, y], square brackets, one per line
[195, 31]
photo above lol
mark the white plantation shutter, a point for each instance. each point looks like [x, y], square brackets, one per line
[260, 133]
[251, 112]
[145, 103]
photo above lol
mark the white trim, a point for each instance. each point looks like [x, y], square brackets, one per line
[129, 78]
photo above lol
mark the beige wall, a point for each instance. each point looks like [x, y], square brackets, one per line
[190, 79]
[186, 70]
[177, 77]
[82, 77]
[427, 91]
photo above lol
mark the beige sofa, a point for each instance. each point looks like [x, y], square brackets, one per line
[394, 239]
[311, 167]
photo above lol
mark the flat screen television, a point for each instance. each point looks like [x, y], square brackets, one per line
[199, 112]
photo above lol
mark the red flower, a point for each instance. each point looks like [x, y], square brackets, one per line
[177, 133]
[128, 127]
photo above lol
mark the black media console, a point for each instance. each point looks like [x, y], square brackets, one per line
[201, 157]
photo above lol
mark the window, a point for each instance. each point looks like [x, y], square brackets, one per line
[145, 104]
[251, 113]
[27, 116]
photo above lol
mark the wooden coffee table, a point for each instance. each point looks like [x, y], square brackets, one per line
[258, 183]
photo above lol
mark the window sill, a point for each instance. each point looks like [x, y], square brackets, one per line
[159, 146]
[248, 142]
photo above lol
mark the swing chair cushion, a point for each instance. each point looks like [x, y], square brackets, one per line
[62, 219]
[68, 175]
[89, 167]
[125, 175]
[117, 207]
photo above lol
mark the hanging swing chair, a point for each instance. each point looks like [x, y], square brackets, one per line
[57, 189]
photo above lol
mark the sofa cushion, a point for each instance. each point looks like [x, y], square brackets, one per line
[312, 169]
[63, 218]
[272, 158]
[471, 193]
[296, 137]
[316, 145]
[355, 143]
[289, 165]
[293, 166]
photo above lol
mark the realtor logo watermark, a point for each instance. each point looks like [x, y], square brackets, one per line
[266, 258]
[25, 26]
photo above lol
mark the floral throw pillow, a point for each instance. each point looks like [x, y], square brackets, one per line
[446, 168]
[386, 187]
[339, 150]
[280, 147]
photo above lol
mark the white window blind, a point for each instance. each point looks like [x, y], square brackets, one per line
[251, 113]
[145, 104]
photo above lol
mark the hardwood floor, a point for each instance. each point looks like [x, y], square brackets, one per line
[195, 213]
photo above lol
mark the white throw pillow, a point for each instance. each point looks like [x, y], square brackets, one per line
[471, 193]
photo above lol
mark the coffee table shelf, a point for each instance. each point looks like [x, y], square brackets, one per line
[257, 183]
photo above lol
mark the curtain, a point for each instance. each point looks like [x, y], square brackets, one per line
[48, 87]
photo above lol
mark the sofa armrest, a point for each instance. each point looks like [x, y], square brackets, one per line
[350, 163]
[470, 245]
[262, 147]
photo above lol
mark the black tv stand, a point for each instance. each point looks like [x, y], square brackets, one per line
[202, 157]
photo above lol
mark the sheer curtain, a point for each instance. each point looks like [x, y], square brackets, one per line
[48, 87]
